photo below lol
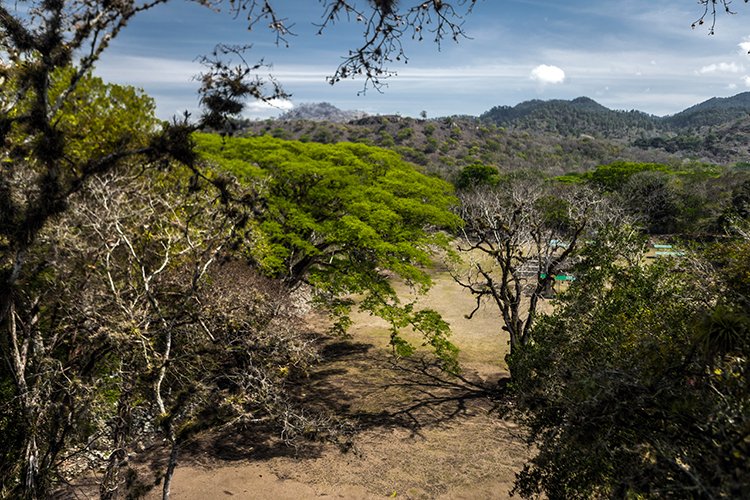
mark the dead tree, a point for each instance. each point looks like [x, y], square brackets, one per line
[517, 237]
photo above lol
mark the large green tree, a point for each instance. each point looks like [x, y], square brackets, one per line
[344, 219]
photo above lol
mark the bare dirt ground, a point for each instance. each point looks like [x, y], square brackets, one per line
[419, 433]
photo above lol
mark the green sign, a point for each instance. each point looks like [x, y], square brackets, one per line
[565, 277]
[558, 277]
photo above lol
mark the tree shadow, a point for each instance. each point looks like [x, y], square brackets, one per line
[365, 388]
[375, 389]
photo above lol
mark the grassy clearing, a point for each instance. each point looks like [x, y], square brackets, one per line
[482, 342]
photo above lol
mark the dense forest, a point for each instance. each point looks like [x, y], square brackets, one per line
[159, 279]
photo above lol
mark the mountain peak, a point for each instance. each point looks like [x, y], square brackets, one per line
[320, 111]
[581, 115]
[714, 111]
[587, 102]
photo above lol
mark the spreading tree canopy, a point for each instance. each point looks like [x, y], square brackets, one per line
[343, 218]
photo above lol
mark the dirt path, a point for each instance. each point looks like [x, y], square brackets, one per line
[420, 433]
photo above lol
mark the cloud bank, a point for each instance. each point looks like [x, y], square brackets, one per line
[255, 107]
[721, 68]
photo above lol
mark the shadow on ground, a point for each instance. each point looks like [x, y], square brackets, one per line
[364, 388]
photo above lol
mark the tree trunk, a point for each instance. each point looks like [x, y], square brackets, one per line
[31, 486]
[109, 488]
[170, 467]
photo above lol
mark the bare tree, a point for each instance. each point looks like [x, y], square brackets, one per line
[140, 334]
[518, 237]
[710, 9]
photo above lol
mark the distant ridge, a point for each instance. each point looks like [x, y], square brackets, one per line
[714, 111]
[566, 135]
[582, 115]
[321, 111]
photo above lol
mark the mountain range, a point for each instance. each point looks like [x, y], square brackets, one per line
[321, 111]
[585, 116]
[582, 115]
[558, 136]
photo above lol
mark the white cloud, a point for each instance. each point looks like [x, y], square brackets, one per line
[254, 107]
[547, 74]
[744, 47]
[732, 86]
[722, 67]
[747, 81]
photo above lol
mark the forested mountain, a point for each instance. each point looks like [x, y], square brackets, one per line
[579, 116]
[715, 111]
[585, 116]
[557, 136]
[725, 144]
[444, 146]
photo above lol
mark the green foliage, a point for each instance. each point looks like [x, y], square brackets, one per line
[637, 385]
[740, 203]
[427, 322]
[436, 333]
[322, 135]
[340, 216]
[554, 213]
[404, 134]
[431, 145]
[386, 140]
[477, 174]
[576, 117]
[690, 143]
[612, 176]
[280, 133]
[652, 196]
[572, 178]
[412, 155]
[100, 119]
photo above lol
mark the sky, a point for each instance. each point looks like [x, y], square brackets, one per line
[625, 54]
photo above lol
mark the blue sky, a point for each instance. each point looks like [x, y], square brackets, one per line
[626, 54]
